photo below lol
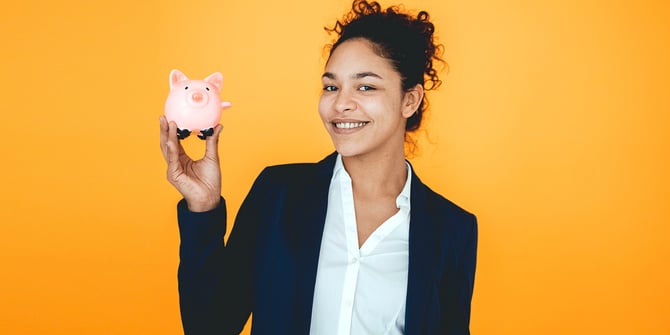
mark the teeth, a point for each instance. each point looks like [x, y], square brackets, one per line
[349, 125]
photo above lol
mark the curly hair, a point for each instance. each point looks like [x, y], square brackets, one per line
[405, 40]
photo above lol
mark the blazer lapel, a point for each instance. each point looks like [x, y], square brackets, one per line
[422, 251]
[311, 218]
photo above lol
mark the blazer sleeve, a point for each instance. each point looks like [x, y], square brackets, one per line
[216, 279]
[456, 291]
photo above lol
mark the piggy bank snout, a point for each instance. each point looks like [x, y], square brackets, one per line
[197, 98]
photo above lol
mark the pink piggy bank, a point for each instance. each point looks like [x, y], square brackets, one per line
[194, 104]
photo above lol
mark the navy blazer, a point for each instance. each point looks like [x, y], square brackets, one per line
[268, 265]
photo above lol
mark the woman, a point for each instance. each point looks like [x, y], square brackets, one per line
[354, 244]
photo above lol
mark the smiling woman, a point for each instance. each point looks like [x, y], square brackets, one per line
[353, 244]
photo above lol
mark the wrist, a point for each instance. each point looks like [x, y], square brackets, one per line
[202, 205]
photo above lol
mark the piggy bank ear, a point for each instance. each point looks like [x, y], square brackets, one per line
[215, 79]
[176, 76]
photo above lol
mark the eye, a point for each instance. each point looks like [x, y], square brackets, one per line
[329, 88]
[365, 88]
[207, 88]
[186, 88]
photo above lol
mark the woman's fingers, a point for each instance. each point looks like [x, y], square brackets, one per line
[212, 144]
[173, 153]
[185, 174]
[164, 136]
[174, 168]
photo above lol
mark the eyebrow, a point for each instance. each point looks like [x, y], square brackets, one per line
[359, 75]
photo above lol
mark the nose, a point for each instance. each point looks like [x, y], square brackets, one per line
[344, 102]
[197, 97]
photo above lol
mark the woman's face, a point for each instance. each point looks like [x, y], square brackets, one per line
[363, 106]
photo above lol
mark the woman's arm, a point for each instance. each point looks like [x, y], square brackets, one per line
[214, 279]
[202, 268]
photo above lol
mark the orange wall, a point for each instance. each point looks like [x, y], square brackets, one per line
[551, 126]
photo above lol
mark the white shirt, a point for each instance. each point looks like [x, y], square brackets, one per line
[361, 291]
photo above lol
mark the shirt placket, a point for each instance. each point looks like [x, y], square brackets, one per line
[353, 259]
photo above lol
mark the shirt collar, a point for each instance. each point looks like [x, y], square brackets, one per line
[402, 201]
[339, 168]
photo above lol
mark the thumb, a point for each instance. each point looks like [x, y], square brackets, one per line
[212, 144]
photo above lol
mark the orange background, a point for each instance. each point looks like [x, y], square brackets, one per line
[551, 126]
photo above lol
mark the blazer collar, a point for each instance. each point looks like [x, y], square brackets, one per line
[313, 213]
[422, 252]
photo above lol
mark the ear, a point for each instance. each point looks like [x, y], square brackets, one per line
[412, 100]
[176, 76]
[215, 79]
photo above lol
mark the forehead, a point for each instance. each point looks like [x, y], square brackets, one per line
[356, 56]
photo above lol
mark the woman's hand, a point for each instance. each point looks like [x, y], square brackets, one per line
[198, 181]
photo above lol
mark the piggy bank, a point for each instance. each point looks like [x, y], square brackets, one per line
[194, 105]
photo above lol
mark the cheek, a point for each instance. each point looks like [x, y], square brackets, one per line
[323, 107]
[380, 106]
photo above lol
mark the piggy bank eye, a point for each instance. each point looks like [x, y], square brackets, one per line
[186, 88]
[207, 88]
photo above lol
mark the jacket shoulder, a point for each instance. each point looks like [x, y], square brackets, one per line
[447, 210]
[448, 205]
[288, 173]
[298, 173]
[289, 170]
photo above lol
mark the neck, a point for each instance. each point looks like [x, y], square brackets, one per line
[383, 175]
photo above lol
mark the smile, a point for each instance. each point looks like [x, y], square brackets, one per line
[349, 125]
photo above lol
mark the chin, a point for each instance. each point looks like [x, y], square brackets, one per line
[344, 152]
[348, 150]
